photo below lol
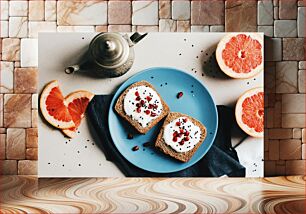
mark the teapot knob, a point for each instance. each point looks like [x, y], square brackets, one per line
[109, 45]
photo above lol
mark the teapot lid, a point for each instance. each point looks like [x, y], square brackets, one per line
[109, 49]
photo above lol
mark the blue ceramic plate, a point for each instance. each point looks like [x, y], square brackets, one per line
[196, 102]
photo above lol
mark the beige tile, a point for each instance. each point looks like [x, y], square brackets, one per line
[199, 28]
[180, 10]
[2, 146]
[280, 133]
[32, 154]
[119, 28]
[295, 167]
[8, 167]
[4, 10]
[293, 120]
[7, 76]
[119, 12]
[145, 12]
[290, 149]
[29, 53]
[34, 118]
[15, 144]
[273, 150]
[18, 8]
[17, 63]
[293, 103]
[147, 28]
[164, 9]
[91, 12]
[17, 110]
[183, 26]
[297, 133]
[4, 29]
[26, 80]
[34, 101]
[36, 10]
[303, 135]
[27, 167]
[38, 26]
[32, 138]
[11, 49]
[1, 110]
[50, 10]
[18, 27]
[101, 28]
[75, 29]
[270, 168]
[303, 151]
[301, 81]
[286, 77]
[167, 25]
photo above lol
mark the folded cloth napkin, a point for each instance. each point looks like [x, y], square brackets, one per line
[220, 160]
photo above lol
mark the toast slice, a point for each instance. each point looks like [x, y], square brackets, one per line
[180, 136]
[142, 106]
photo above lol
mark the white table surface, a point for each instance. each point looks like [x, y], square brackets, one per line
[59, 157]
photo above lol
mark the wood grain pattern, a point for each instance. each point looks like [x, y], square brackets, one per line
[139, 195]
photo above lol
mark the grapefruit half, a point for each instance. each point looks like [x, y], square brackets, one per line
[240, 55]
[77, 103]
[53, 106]
[249, 112]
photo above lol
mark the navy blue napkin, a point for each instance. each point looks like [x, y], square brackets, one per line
[220, 160]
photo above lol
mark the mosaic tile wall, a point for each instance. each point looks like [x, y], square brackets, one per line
[281, 20]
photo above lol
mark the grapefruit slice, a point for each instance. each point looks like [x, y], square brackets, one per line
[249, 112]
[53, 107]
[77, 103]
[240, 55]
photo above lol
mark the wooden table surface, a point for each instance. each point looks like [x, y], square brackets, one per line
[139, 195]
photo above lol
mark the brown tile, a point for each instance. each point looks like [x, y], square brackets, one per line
[293, 120]
[280, 170]
[2, 146]
[15, 144]
[293, 49]
[25, 80]
[293, 103]
[34, 118]
[295, 167]
[32, 138]
[119, 12]
[269, 80]
[269, 118]
[8, 167]
[297, 133]
[119, 28]
[207, 12]
[164, 9]
[1, 110]
[303, 151]
[270, 168]
[101, 28]
[11, 49]
[277, 114]
[32, 154]
[27, 167]
[280, 133]
[303, 135]
[2, 130]
[147, 28]
[183, 26]
[287, 9]
[240, 16]
[290, 149]
[17, 110]
[273, 150]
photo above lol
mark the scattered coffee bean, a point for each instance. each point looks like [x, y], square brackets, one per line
[135, 148]
[130, 136]
[179, 95]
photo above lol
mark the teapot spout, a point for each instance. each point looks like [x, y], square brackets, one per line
[71, 69]
[136, 37]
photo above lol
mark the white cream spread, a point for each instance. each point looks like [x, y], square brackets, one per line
[142, 104]
[181, 134]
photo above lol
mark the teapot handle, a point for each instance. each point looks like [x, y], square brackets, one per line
[136, 37]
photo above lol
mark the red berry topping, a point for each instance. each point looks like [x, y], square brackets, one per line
[149, 98]
[147, 111]
[182, 142]
[178, 123]
[138, 110]
[179, 95]
[137, 104]
[142, 102]
[185, 120]
[186, 138]
[153, 114]
[155, 106]
[187, 133]
[181, 131]
[150, 106]
[174, 139]
[137, 93]
[137, 98]
[175, 133]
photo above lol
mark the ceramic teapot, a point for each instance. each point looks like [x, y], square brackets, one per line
[108, 55]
